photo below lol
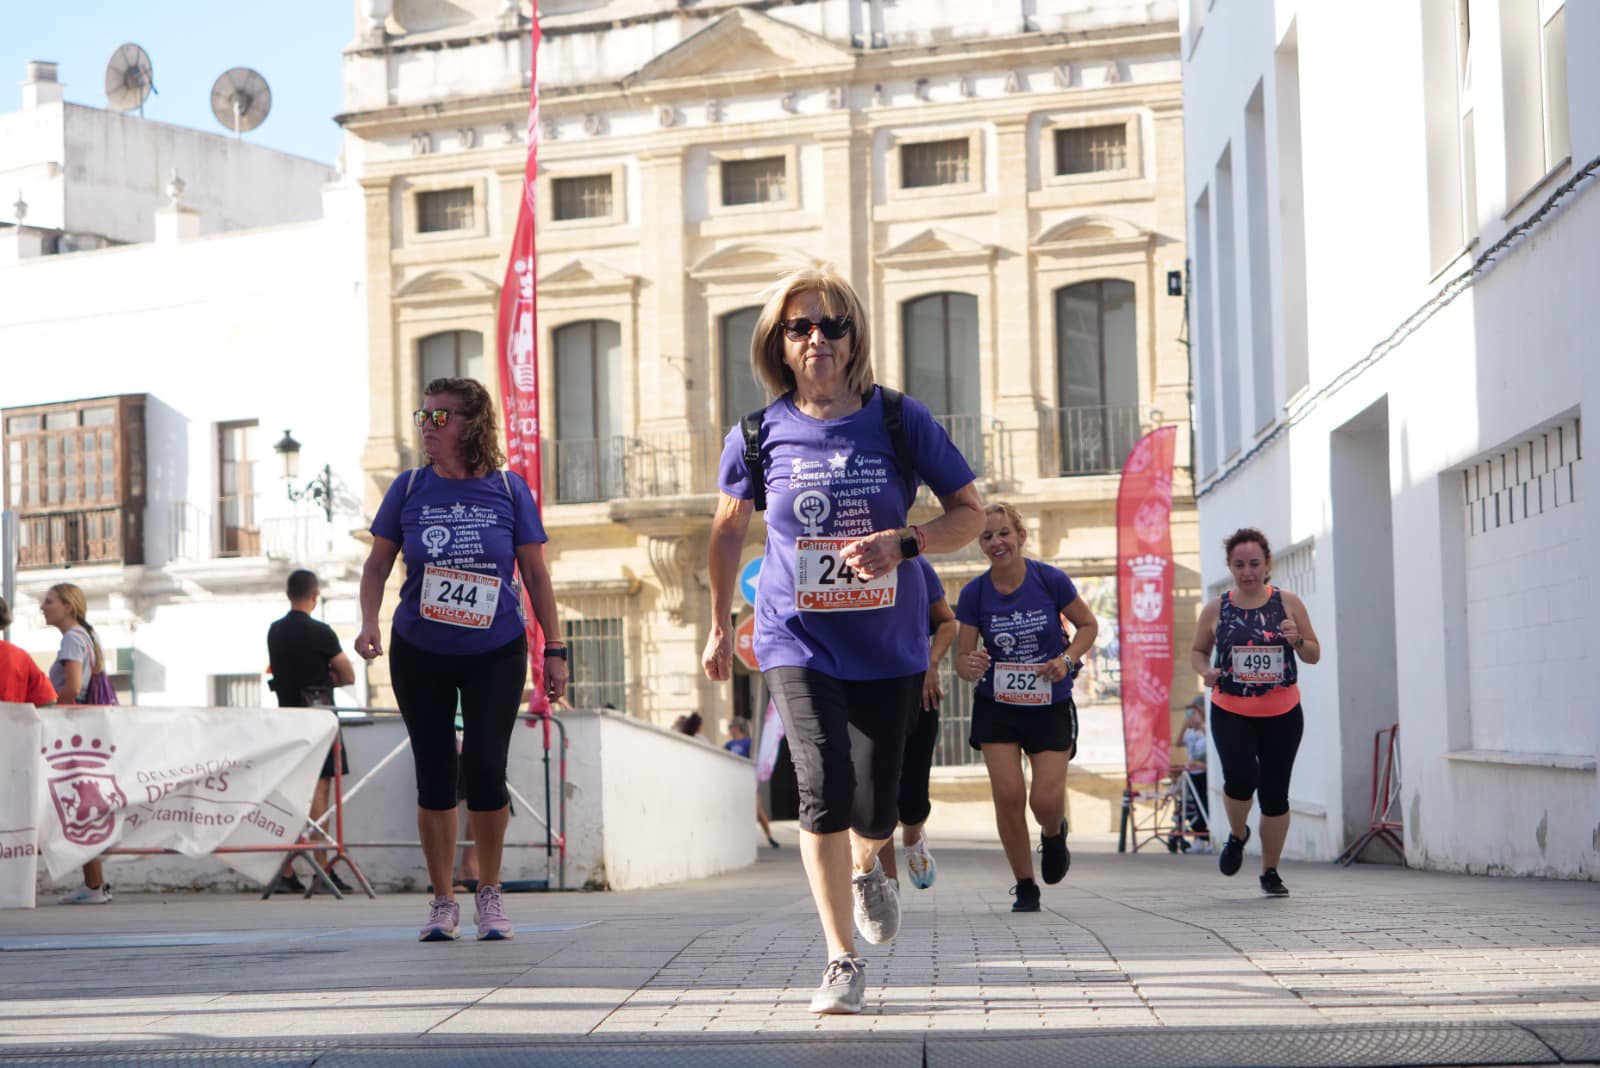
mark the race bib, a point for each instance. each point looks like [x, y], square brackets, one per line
[459, 598]
[1021, 684]
[823, 582]
[1258, 665]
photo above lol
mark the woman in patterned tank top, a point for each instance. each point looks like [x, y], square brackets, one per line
[1247, 648]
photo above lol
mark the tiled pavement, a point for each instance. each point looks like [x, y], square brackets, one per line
[1152, 959]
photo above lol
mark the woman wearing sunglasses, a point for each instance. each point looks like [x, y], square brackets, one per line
[841, 611]
[466, 528]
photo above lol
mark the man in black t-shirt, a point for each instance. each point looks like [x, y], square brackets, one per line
[307, 665]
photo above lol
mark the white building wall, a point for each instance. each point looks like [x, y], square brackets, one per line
[1491, 674]
[88, 171]
[261, 325]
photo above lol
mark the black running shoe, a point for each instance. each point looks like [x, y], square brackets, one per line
[1271, 885]
[1232, 856]
[1026, 893]
[339, 883]
[1055, 857]
[288, 883]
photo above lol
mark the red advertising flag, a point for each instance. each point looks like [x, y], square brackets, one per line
[518, 334]
[1144, 604]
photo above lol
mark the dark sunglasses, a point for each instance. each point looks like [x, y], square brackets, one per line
[439, 416]
[833, 328]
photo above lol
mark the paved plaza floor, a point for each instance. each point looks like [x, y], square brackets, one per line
[1151, 959]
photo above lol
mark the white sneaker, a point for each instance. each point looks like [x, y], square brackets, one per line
[83, 895]
[844, 985]
[877, 905]
[920, 865]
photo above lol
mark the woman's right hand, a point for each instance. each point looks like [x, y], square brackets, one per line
[718, 657]
[972, 666]
[369, 642]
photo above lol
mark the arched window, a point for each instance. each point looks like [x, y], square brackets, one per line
[740, 392]
[589, 443]
[1097, 376]
[451, 354]
[940, 339]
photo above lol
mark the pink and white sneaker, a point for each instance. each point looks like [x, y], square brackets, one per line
[493, 923]
[444, 921]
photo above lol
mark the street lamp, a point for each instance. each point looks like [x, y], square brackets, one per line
[318, 491]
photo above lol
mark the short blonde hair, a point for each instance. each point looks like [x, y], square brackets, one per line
[766, 343]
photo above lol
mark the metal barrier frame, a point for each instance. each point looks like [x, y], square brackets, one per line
[1386, 824]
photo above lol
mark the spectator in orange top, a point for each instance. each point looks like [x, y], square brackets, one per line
[21, 680]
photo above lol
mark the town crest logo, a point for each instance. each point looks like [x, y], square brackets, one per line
[86, 796]
[1149, 577]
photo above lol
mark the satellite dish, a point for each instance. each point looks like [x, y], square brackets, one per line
[128, 78]
[240, 99]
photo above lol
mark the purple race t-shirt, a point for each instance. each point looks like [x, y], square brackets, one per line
[460, 525]
[1022, 627]
[836, 479]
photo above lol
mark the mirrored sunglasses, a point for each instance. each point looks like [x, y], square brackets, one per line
[439, 416]
[833, 328]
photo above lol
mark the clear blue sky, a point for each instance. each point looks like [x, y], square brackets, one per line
[295, 44]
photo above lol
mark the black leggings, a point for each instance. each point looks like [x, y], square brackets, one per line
[918, 765]
[488, 687]
[848, 739]
[1258, 755]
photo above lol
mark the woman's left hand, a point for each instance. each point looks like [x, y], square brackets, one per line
[874, 555]
[555, 677]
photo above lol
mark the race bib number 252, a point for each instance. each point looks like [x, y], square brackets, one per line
[1021, 684]
[823, 582]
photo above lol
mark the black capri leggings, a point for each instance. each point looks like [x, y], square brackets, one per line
[489, 689]
[848, 739]
[1258, 755]
[920, 742]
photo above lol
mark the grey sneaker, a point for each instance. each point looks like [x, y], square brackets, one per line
[877, 905]
[844, 984]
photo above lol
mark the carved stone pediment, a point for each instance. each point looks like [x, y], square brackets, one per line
[584, 275]
[446, 285]
[749, 261]
[743, 44]
[937, 247]
[1092, 233]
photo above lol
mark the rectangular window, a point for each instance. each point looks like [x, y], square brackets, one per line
[238, 534]
[452, 354]
[598, 668]
[1533, 43]
[236, 691]
[1092, 149]
[1227, 306]
[1257, 267]
[70, 476]
[1291, 216]
[1448, 115]
[753, 181]
[445, 209]
[584, 197]
[1205, 372]
[935, 163]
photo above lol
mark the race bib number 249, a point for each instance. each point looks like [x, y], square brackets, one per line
[823, 582]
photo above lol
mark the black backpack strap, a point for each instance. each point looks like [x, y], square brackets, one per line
[904, 462]
[750, 425]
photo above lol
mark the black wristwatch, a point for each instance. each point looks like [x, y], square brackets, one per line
[908, 544]
[559, 652]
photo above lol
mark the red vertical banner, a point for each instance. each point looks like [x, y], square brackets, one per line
[518, 334]
[1144, 604]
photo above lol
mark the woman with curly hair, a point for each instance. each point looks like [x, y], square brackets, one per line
[466, 528]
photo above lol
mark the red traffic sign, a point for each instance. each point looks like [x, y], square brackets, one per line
[744, 642]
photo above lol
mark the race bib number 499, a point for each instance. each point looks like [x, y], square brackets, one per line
[459, 598]
[1021, 684]
[1258, 665]
[823, 582]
